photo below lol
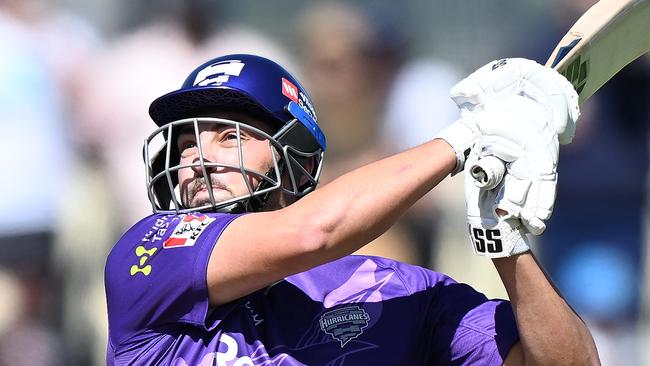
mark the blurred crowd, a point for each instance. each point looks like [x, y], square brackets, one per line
[73, 107]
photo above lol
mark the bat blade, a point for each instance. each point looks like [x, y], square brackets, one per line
[607, 37]
[610, 35]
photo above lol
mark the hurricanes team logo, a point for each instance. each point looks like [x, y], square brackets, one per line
[344, 324]
[219, 73]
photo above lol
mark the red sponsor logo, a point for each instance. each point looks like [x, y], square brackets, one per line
[187, 231]
[289, 90]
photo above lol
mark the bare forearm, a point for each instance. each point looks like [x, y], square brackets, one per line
[550, 332]
[359, 206]
[327, 224]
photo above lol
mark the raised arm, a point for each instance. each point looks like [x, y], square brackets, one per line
[333, 221]
[523, 129]
[550, 332]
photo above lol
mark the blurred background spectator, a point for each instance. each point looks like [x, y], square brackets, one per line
[38, 87]
[350, 61]
[77, 78]
[375, 98]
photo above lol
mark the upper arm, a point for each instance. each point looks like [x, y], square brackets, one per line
[258, 249]
[335, 220]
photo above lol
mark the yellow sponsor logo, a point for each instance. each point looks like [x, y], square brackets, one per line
[144, 254]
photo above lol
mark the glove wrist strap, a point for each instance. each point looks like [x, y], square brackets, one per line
[460, 136]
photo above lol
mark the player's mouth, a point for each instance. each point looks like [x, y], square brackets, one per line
[205, 188]
[215, 186]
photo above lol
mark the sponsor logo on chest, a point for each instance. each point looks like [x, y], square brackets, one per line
[147, 249]
[188, 231]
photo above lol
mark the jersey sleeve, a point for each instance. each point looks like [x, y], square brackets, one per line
[469, 329]
[156, 273]
[461, 325]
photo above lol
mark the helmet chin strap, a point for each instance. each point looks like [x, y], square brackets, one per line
[256, 203]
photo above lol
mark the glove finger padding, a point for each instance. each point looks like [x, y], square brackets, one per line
[503, 78]
[539, 205]
[490, 235]
[514, 125]
[531, 200]
[544, 85]
[516, 130]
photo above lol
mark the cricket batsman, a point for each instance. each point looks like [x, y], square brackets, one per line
[244, 262]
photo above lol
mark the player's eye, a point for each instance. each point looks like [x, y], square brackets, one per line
[230, 136]
[188, 145]
[185, 144]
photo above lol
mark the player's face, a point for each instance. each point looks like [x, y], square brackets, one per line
[220, 145]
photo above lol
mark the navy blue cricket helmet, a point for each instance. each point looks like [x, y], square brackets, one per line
[255, 86]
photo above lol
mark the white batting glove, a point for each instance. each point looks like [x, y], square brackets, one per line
[490, 235]
[524, 77]
[518, 131]
[500, 78]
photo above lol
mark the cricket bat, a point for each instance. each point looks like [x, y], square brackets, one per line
[606, 38]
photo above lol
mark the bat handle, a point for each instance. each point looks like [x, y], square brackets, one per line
[487, 172]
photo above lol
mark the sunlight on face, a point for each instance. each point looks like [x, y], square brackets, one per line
[220, 145]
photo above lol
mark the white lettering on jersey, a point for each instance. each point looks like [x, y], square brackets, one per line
[231, 353]
[221, 358]
[218, 73]
[257, 319]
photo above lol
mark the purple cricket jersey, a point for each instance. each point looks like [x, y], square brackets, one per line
[358, 310]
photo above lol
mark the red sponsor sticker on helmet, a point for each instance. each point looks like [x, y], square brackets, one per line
[289, 90]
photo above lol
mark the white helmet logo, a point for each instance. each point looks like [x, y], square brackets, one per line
[218, 73]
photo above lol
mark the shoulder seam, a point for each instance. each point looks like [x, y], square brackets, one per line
[398, 273]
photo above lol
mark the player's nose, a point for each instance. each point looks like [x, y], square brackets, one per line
[197, 167]
[205, 151]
